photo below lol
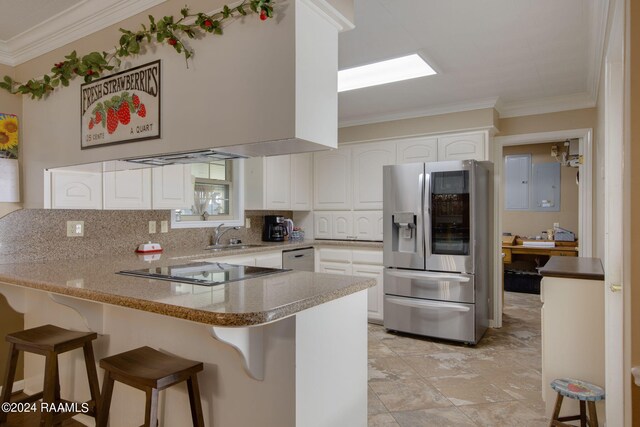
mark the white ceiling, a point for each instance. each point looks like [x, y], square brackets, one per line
[521, 56]
[525, 55]
[18, 16]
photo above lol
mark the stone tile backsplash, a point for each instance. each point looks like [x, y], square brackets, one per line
[40, 234]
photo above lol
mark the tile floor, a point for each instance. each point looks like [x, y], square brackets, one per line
[422, 382]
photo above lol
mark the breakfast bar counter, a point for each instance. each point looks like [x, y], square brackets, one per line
[283, 349]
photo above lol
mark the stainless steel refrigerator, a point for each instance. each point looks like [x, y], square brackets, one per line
[438, 221]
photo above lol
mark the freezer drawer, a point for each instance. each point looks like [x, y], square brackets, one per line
[424, 284]
[447, 320]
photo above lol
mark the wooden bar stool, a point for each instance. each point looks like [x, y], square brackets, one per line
[580, 390]
[50, 341]
[150, 371]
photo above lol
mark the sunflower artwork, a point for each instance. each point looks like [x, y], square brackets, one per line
[8, 136]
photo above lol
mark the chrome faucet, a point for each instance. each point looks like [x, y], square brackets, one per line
[217, 234]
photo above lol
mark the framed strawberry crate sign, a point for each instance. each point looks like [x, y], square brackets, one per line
[123, 107]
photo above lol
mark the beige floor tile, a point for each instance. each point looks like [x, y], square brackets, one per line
[408, 395]
[382, 420]
[469, 389]
[440, 364]
[374, 405]
[390, 369]
[504, 414]
[377, 349]
[404, 345]
[438, 417]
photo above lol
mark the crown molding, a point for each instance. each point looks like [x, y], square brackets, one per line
[599, 17]
[333, 15]
[546, 105]
[432, 111]
[67, 26]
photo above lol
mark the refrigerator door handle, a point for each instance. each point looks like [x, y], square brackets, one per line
[427, 304]
[426, 213]
[420, 275]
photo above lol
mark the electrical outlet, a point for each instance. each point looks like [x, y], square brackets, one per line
[152, 227]
[164, 226]
[247, 223]
[75, 228]
[556, 224]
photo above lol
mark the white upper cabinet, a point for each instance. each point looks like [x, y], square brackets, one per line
[301, 182]
[417, 150]
[368, 160]
[127, 189]
[279, 182]
[172, 187]
[332, 179]
[469, 146]
[76, 190]
[342, 225]
[367, 225]
[322, 225]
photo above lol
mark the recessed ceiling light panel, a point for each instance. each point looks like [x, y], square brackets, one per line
[379, 73]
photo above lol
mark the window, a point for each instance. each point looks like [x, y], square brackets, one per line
[217, 196]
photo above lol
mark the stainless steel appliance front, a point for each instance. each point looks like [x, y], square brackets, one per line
[437, 250]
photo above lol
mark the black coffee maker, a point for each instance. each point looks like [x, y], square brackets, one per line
[274, 229]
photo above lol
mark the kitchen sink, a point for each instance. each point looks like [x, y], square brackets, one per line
[217, 248]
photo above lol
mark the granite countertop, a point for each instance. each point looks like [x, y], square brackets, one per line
[244, 303]
[573, 268]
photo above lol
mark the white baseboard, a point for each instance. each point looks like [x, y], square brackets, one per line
[17, 386]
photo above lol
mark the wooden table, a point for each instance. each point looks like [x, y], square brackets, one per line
[566, 249]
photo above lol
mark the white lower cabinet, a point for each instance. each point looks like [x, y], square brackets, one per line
[269, 260]
[357, 262]
[76, 190]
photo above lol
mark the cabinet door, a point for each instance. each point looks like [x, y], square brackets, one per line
[127, 189]
[332, 179]
[375, 296]
[322, 225]
[172, 187]
[76, 190]
[469, 146]
[269, 260]
[301, 181]
[342, 225]
[417, 150]
[367, 225]
[335, 268]
[368, 160]
[278, 182]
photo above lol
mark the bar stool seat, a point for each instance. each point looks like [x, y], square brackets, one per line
[151, 371]
[579, 390]
[50, 341]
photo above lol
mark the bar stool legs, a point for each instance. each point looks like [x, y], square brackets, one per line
[50, 341]
[150, 371]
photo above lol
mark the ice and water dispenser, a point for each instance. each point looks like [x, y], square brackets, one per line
[404, 235]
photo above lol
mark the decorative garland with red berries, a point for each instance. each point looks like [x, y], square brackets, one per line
[165, 30]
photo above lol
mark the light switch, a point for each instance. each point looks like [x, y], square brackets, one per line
[152, 227]
[247, 222]
[164, 226]
[75, 228]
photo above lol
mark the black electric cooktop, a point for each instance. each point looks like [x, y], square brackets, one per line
[202, 273]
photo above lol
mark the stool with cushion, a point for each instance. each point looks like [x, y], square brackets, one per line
[50, 341]
[150, 371]
[588, 394]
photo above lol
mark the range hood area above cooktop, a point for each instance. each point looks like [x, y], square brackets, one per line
[187, 157]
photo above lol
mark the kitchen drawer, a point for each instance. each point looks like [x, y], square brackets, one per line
[335, 255]
[448, 320]
[436, 286]
[367, 257]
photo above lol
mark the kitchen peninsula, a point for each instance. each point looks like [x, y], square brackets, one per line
[279, 350]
